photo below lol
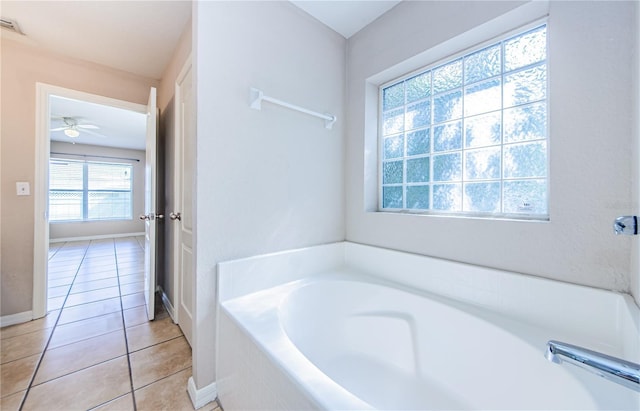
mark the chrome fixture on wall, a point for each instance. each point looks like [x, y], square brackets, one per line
[613, 369]
[627, 225]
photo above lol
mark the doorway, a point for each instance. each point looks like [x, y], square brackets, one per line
[70, 132]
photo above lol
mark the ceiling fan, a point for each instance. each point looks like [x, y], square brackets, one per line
[72, 129]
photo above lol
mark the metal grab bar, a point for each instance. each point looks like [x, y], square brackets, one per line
[611, 368]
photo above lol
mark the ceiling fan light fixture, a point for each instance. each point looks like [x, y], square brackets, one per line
[70, 132]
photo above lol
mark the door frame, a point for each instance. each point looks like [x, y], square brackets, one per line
[41, 182]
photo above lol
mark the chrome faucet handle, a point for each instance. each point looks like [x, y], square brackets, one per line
[627, 225]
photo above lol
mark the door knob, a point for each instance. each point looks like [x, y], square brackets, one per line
[144, 217]
[160, 216]
[175, 216]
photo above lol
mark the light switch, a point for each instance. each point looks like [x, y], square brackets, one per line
[22, 188]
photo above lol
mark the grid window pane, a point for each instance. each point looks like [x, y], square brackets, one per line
[470, 134]
[392, 172]
[525, 160]
[447, 137]
[393, 122]
[418, 197]
[525, 123]
[482, 197]
[447, 106]
[418, 115]
[525, 49]
[447, 167]
[393, 146]
[447, 77]
[525, 196]
[393, 97]
[483, 130]
[392, 197]
[418, 142]
[483, 97]
[482, 64]
[418, 87]
[418, 170]
[525, 86]
[447, 197]
[482, 164]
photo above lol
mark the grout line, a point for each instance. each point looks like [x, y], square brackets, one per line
[111, 400]
[83, 339]
[79, 369]
[87, 249]
[124, 327]
[35, 371]
[88, 318]
[158, 343]
[164, 378]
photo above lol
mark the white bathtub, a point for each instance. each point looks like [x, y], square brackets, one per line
[333, 338]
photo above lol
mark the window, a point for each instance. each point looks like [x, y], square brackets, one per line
[87, 191]
[469, 136]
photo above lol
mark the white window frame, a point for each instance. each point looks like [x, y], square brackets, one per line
[521, 29]
[85, 190]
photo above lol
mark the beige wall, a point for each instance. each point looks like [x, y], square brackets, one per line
[166, 149]
[81, 229]
[21, 67]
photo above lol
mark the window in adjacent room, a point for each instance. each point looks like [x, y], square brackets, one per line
[88, 191]
[469, 136]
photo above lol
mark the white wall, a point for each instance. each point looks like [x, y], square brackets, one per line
[100, 228]
[266, 180]
[591, 132]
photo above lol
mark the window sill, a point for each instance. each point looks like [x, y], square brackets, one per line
[471, 216]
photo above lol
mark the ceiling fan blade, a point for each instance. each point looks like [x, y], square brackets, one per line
[59, 128]
[88, 126]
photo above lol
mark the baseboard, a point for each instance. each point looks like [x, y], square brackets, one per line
[18, 318]
[94, 237]
[203, 396]
[167, 304]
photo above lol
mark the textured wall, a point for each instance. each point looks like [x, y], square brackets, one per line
[266, 180]
[591, 130]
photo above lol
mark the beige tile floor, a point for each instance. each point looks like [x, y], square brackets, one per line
[96, 349]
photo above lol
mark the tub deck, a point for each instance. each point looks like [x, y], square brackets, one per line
[341, 339]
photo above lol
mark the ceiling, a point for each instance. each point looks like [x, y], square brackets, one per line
[347, 17]
[134, 36]
[116, 127]
[139, 37]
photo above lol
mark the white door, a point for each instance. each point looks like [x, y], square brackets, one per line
[149, 216]
[183, 182]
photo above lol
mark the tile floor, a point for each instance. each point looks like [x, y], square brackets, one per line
[96, 349]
